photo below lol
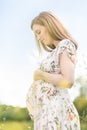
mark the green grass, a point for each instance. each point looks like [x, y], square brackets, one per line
[25, 125]
[84, 126]
[15, 125]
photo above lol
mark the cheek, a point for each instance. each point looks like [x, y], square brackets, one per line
[44, 34]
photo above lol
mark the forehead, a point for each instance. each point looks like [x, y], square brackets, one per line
[37, 27]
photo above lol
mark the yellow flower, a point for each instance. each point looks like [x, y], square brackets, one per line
[64, 84]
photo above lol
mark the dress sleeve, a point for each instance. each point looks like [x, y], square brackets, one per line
[68, 46]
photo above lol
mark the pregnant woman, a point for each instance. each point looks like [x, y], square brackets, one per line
[48, 100]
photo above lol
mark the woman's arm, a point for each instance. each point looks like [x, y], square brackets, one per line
[65, 79]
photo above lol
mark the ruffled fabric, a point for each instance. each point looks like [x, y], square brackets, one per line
[68, 46]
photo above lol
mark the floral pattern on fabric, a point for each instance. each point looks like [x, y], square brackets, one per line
[50, 106]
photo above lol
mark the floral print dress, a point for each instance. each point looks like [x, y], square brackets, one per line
[50, 106]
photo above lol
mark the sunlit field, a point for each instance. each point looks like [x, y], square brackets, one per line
[84, 126]
[14, 125]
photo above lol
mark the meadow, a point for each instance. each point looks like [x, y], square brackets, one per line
[16, 125]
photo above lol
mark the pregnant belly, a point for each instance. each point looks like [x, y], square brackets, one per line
[42, 94]
[41, 88]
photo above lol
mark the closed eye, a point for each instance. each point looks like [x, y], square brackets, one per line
[38, 32]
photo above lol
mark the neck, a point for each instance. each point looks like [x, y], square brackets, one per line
[55, 43]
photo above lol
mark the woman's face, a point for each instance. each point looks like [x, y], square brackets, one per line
[42, 34]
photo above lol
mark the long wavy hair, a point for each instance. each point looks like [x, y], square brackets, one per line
[54, 27]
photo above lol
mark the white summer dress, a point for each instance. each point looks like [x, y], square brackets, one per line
[50, 106]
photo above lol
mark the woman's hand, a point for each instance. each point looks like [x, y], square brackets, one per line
[38, 74]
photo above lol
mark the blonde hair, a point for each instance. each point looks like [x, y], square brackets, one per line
[55, 28]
